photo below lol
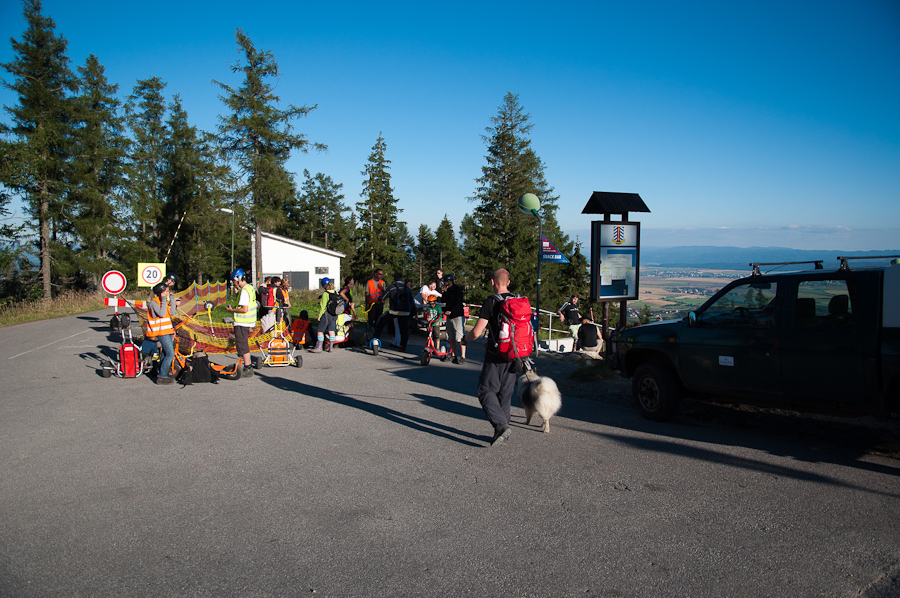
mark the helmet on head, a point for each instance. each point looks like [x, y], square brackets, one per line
[448, 278]
[170, 277]
[160, 288]
[325, 281]
[238, 273]
[432, 298]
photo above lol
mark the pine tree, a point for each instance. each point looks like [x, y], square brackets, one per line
[193, 186]
[145, 111]
[41, 129]
[258, 137]
[447, 248]
[97, 173]
[427, 254]
[382, 240]
[318, 215]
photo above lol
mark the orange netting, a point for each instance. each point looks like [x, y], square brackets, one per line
[197, 326]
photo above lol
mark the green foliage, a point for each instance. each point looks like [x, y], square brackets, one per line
[317, 216]
[497, 234]
[257, 135]
[382, 240]
[42, 131]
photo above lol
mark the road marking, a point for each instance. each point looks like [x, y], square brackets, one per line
[48, 344]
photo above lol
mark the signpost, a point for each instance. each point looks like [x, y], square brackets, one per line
[615, 252]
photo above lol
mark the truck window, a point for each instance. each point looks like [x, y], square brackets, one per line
[750, 305]
[822, 304]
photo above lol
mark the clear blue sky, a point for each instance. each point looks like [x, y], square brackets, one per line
[747, 124]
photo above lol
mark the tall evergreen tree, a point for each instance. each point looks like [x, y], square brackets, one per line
[447, 248]
[145, 112]
[97, 173]
[498, 234]
[193, 184]
[382, 241]
[258, 136]
[41, 128]
[317, 217]
[427, 255]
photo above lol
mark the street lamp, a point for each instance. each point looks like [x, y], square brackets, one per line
[530, 204]
[229, 211]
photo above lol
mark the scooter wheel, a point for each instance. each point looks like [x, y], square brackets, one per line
[106, 372]
[426, 357]
[375, 350]
[298, 361]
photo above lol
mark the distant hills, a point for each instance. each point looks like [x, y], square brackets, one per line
[739, 258]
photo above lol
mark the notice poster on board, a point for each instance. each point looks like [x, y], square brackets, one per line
[614, 260]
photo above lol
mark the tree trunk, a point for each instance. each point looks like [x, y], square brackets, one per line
[45, 244]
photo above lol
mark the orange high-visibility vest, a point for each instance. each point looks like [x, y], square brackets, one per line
[159, 326]
[374, 290]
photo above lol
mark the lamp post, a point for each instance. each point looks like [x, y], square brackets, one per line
[530, 204]
[230, 211]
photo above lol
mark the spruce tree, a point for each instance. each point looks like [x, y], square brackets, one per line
[145, 112]
[41, 130]
[447, 248]
[97, 173]
[193, 186]
[382, 240]
[317, 217]
[427, 255]
[497, 234]
[258, 137]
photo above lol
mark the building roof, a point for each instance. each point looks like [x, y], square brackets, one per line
[605, 202]
[316, 248]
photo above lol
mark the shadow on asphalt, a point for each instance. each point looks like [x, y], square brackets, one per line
[410, 421]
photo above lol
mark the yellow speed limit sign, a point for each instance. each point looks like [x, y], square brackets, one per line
[150, 274]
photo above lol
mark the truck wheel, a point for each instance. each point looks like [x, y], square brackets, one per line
[656, 392]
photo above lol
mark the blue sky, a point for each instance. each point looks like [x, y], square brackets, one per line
[746, 124]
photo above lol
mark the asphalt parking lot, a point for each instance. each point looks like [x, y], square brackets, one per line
[358, 475]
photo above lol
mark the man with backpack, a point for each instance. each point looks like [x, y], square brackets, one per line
[508, 346]
[330, 306]
[399, 298]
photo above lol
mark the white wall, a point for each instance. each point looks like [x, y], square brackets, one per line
[280, 255]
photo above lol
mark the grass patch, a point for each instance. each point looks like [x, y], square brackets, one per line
[69, 303]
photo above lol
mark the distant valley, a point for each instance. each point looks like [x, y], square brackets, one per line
[739, 258]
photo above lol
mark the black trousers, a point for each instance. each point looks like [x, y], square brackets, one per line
[402, 322]
[495, 390]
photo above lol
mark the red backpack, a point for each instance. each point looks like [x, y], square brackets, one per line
[516, 340]
[268, 296]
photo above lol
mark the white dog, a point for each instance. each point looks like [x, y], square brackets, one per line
[539, 395]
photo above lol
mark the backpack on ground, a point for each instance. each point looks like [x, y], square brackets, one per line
[197, 369]
[516, 338]
[335, 304]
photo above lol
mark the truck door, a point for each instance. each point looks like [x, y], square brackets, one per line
[732, 345]
[821, 357]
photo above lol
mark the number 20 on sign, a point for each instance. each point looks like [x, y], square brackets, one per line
[150, 273]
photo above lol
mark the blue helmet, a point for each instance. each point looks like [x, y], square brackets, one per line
[325, 281]
[238, 273]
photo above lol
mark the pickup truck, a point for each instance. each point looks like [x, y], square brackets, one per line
[809, 340]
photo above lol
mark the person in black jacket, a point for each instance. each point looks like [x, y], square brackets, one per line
[454, 305]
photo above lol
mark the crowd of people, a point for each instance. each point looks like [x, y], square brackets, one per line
[392, 306]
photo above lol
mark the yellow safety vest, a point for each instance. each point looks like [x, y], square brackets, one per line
[249, 318]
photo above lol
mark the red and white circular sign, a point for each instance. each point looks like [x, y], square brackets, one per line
[114, 282]
[151, 274]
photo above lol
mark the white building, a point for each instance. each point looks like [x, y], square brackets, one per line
[303, 266]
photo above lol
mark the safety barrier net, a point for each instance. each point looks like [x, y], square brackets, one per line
[196, 326]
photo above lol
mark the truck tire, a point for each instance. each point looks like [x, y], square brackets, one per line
[656, 392]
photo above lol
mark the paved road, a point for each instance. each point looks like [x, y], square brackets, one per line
[370, 476]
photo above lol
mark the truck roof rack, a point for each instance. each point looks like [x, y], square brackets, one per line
[846, 266]
[756, 265]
